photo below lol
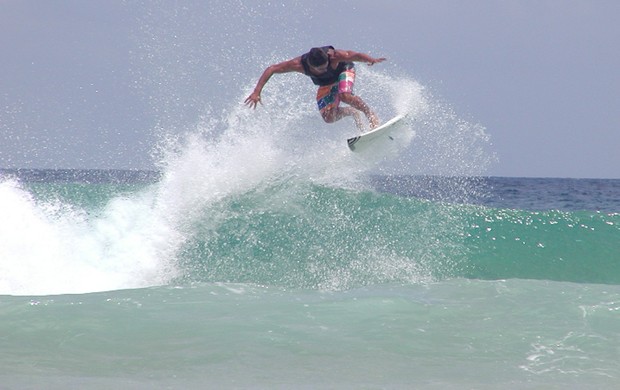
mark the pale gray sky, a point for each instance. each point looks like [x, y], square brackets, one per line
[84, 84]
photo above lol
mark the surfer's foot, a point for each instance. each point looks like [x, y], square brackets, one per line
[374, 120]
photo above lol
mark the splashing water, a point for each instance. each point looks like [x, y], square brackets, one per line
[214, 153]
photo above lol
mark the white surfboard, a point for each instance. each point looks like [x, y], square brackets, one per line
[382, 132]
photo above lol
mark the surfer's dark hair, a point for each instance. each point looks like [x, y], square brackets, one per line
[317, 56]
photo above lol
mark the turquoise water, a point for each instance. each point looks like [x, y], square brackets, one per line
[452, 334]
[296, 284]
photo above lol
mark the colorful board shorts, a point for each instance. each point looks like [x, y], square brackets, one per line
[328, 96]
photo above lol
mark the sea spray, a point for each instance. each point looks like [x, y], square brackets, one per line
[248, 193]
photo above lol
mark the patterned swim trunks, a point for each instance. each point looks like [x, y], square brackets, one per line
[328, 96]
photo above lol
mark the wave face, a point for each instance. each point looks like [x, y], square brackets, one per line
[314, 236]
[80, 237]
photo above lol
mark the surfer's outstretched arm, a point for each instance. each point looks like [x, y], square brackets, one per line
[349, 55]
[293, 65]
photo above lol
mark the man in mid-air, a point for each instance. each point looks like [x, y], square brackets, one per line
[334, 72]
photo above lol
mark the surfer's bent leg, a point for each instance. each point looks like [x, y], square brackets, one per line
[345, 92]
[328, 99]
[357, 103]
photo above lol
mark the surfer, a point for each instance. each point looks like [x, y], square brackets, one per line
[334, 72]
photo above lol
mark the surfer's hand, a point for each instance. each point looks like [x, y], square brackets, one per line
[375, 61]
[253, 100]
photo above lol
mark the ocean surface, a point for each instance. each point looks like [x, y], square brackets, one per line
[179, 280]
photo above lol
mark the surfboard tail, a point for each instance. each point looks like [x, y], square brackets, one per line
[351, 142]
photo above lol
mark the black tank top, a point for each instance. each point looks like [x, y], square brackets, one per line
[330, 75]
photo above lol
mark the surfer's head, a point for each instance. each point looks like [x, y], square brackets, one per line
[317, 57]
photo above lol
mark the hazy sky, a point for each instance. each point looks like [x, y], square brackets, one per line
[85, 84]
